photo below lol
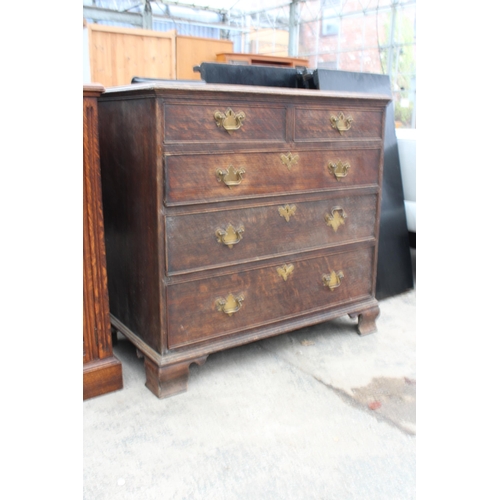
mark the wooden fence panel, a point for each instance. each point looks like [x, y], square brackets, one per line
[192, 51]
[118, 54]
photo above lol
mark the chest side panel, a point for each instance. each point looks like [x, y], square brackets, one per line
[131, 170]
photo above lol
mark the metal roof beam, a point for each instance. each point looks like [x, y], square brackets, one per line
[136, 19]
[192, 6]
[199, 23]
[100, 14]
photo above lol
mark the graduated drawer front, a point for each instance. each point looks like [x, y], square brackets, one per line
[197, 241]
[208, 177]
[196, 123]
[196, 311]
[315, 124]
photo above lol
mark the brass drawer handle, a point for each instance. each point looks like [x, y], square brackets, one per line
[285, 271]
[336, 219]
[332, 280]
[230, 177]
[339, 169]
[229, 120]
[230, 236]
[342, 123]
[287, 211]
[230, 305]
[289, 160]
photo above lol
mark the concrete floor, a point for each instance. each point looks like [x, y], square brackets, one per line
[319, 413]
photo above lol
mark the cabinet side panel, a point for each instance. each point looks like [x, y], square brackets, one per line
[90, 325]
[127, 133]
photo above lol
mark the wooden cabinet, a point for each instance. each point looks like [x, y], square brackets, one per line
[262, 60]
[234, 213]
[102, 372]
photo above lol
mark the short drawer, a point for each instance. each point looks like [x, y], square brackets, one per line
[228, 236]
[204, 177]
[223, 123]
[314, 124]
[225, 305]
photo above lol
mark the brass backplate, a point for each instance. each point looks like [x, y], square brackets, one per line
[285, 271]
[332, 280]
[339, 169]
[336, 219]
[289, 160]
[229, 236]
[231, 176]
[230, 305]
[229, 120]
[287, 211]
[342, 123]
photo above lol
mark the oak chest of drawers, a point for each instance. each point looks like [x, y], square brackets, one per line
[235, 213]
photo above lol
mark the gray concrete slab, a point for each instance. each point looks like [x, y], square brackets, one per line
[319, 413]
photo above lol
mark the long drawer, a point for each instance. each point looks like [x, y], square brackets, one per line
[207, 177]
[209, 308]
[223, 236]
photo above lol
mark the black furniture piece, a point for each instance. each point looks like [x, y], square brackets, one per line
[265, 76]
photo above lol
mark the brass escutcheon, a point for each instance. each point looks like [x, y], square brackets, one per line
[339, 169]
[285, 271]
[336, 219]
[332, 280]
[289, 160]
[287, 211]
[229, 236]
[230, 305]
[229, 120]
[230, 177]
[342, 122]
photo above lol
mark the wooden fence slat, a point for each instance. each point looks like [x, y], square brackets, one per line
[117, 54]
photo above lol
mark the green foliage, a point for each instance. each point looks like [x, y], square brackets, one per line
[403, 58]
[403, 115]
[403, 63]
